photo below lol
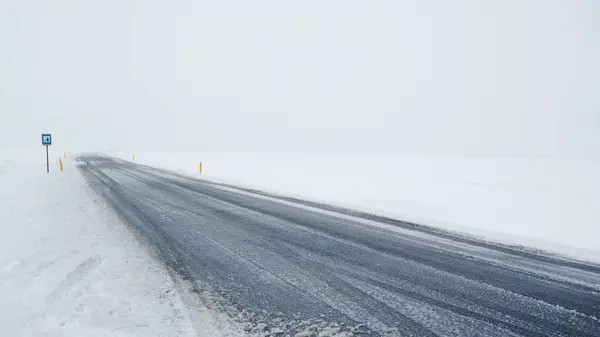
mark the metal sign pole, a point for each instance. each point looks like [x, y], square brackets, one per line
[47, 141]
[47, 161]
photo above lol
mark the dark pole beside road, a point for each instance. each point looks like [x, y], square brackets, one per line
[47, 161]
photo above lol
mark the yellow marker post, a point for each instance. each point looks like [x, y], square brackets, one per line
[200, 168]
[65, 155]
[133, 157]
[61, 165]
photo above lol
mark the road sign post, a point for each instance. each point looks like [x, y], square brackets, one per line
[47, 141]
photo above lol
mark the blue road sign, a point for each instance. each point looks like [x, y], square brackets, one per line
[46, 139]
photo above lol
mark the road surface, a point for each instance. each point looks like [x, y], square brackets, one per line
[284, 266]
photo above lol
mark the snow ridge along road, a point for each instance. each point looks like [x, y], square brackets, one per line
[281, 267]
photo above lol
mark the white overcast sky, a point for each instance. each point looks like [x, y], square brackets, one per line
[505, 77]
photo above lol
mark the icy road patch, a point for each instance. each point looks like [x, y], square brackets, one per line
[68, 267]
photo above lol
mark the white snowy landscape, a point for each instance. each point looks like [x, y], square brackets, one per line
[423, 168]
[70, 267]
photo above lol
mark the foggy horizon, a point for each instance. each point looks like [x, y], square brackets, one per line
[460, 78]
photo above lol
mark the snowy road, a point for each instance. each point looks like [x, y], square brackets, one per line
[287, 267]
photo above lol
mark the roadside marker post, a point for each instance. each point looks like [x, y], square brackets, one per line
[47, 141]
[200, 168]
[61, 164]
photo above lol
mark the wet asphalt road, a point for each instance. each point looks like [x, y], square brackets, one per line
[284, 266]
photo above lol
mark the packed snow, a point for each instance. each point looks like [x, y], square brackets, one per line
[542, 203]
[69, 267]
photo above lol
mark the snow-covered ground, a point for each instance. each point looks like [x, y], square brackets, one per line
[69, 267]
[542, 203]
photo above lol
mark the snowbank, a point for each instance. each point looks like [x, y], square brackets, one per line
[541, 203]
[68, 267]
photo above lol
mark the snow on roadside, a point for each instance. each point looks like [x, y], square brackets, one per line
[548, 204]
[69, 267]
